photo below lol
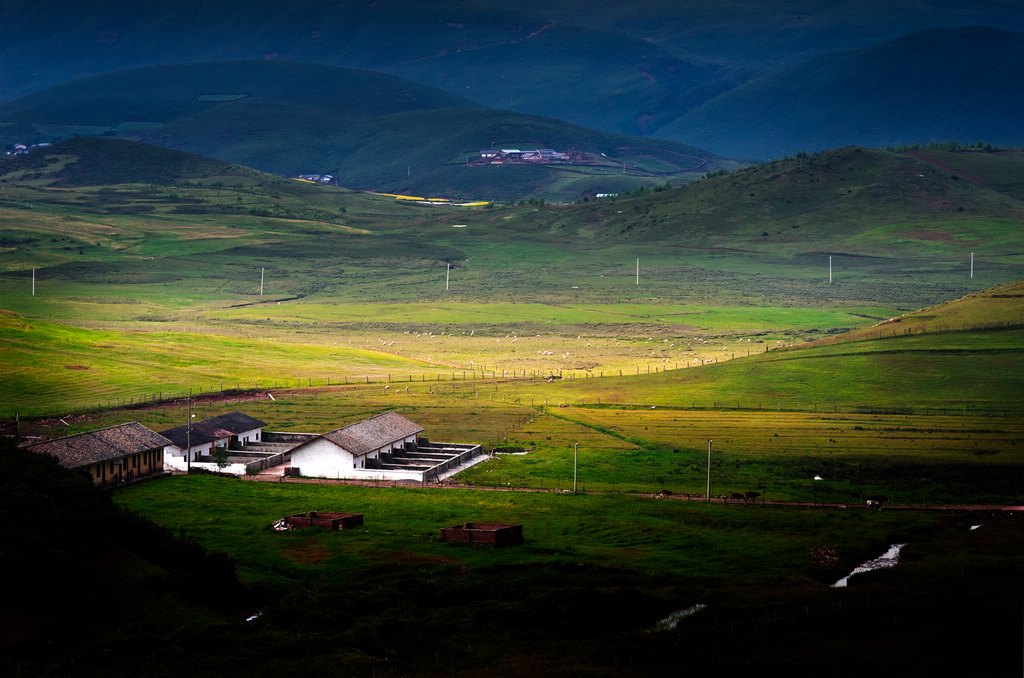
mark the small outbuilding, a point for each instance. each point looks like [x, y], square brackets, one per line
[488, 534]
[112, 455]
[325, 520]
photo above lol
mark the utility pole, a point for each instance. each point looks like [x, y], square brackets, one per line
[972, 272]
[262, 271]
[188, 435]
[707, 497]
[447, 276]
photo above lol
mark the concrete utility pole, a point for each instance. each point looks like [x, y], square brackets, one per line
[972, 272]
[188, 435]
[262, 271]
[707, 497]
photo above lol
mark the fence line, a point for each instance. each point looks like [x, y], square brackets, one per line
[456, 372]
[259, 390]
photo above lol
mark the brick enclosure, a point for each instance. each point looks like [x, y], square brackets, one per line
[326, 520]
[490, 534]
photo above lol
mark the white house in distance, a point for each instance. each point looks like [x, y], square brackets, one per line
[233, 429]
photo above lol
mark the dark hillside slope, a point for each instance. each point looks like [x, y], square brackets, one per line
[101, 162]
[93, 580]
[628, 68]
[759, 32]
[170, 92]
[370, 130]
[499, 57]
[936, 85]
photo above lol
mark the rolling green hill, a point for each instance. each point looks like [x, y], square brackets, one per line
[369, 130]
[837, 193]
[1002, 171]
[935, 85]
[900, 233]
[91, 161]
[991, 309]
[740, 256]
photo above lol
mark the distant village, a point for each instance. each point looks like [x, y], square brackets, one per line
[503, 156]
[22, 149]
[513, 156]
[316, 178]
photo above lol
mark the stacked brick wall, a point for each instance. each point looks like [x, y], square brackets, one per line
[326, 520]
[489, 534]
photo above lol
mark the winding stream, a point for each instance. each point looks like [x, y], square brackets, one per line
[671, 621]
[887, 559]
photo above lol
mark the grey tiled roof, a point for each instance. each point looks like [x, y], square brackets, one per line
[214, 428]
[369, 434]
[101, 445]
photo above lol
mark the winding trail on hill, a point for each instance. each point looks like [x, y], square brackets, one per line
[920, 155]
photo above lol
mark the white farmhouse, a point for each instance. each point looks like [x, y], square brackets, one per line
[344, 452]
[202, 438]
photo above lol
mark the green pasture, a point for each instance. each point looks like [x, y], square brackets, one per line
[78, 368]
[188, 243]
[1002, 171]
[451, 316]
[918, 460]
[667, 540]
[992, 240]
[147, 290]
[945, 370]
[627, 446]
[593, 579]
[46, 364]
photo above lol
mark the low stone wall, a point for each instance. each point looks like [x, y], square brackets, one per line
[266, 462]
[489, 534]
[325, 520]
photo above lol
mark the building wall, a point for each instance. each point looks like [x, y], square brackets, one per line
[175, 456]
[132, 466]
[323, 459]
[251, 436]
[360, 461]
